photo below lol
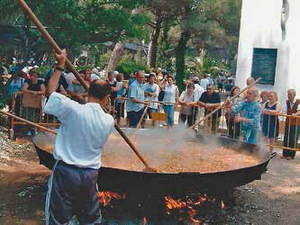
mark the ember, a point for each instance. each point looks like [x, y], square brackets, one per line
[105, 197]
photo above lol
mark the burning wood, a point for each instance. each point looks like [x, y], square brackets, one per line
[178, 204]
[186, 209]
[105, 197]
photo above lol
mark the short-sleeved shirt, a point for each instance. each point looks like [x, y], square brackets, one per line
[198, 91]
[184, 97]
[83, 132]
[152, 88]
[34, 87]
[121, 91]
[204, 82]
[15, 85]
[170, 93]
[214, 98]
[249, 110]
[136, 91]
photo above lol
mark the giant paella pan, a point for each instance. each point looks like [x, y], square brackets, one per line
[186, 163]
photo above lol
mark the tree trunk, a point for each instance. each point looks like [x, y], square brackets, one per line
[180, 58]
[153, 45]
[115, 56]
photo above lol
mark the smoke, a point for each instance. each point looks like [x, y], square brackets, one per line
[172, 150]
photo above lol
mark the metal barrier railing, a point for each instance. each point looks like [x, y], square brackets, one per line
[277, 131]
[29, 107]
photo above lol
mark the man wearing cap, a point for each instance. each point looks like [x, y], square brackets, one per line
[72, 186]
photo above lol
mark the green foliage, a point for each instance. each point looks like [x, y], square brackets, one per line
[209, 65]
[127, 66]
[44, 70]
[74, 23]
[3, 101]
[103, 59]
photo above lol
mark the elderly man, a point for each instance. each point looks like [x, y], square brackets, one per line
[72, 187]
[249, 111]
[292, 129]
[136, 97]
[250, 80]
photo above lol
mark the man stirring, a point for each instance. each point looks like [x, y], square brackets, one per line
[72, 187]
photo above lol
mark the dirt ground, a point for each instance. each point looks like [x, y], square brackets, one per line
[274, 200]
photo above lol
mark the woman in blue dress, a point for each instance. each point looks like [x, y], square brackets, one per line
[270, 121]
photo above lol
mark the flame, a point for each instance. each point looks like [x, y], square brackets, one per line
[222, 205]
[174, 204]
[144, 221]
[105, 197]
[179, 204]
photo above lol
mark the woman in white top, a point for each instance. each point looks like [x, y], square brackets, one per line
[170, 97]
[187, 97]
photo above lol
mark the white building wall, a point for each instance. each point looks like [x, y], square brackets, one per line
[261, 28]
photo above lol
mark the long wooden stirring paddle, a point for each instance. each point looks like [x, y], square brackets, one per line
[28, 122]
[58, 50]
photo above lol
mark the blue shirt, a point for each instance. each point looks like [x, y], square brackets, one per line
[249, 110]
[136, 91]
[152, 88]
[15, 85]
[170, 93]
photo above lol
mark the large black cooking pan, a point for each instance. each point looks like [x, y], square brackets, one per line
[126, 181]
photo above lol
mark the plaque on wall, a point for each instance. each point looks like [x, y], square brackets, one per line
[264, 65]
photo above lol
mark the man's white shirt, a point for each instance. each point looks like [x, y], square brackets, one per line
[84, 130]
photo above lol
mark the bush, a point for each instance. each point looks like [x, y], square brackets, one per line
[208, 66]
[128, 66]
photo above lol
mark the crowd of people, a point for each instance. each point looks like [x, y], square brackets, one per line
[143, 95]
[77, 160]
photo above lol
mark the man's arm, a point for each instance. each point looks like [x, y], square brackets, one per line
[134, 95]
[54, 79]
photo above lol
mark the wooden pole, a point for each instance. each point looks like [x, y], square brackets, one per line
[28, 122]
[141, 119]
[57, 49]
[284, 147]
[27, 10]
[222, 105]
